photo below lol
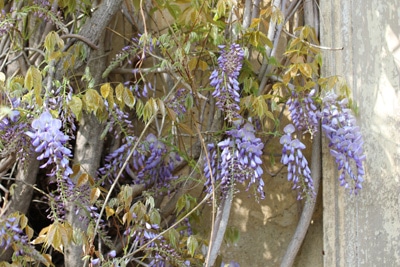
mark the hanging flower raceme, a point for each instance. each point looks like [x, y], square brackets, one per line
[12, 130]
[239, 159]
[303, 111]
[12, 234]
[224, 79]
[345, 141]
[49, 140]
[151, 163]
[292, 156]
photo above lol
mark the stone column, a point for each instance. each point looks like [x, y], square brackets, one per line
[364, 230]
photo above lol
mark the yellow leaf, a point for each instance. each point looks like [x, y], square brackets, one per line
[50, 235]
[23, 221]
[192, 64]
[76, 106]
[33, 79]
[105, 90]
[48, 259]
[305, 69]
[29, 232]
[94, 194]
[127, 218]
[66, 232]
[91, 182]
[203, 65]
[57, 55]
[56, 241]
[75, 169]
[171, 114]
[2, 77]
[161, 107]
[109, 211]
[42, 237]
[185, 128]
[149, 109]
[110, 98]
[129, 99]
[255, 22]
[93, 101]
[119, 90]
[82, 180]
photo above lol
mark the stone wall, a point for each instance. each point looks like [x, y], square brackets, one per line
[365, 230]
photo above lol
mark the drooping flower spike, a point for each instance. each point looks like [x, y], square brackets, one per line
[345, 141]
[224, 80]
[239, 160]
[298, 170]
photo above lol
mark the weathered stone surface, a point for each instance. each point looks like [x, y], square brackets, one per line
[365, 230]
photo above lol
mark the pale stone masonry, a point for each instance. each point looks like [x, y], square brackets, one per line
[365, 230]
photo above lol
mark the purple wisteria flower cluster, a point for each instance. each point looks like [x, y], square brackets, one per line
[236, 159]
[225, 79]
[292, 156]
[345, 140]
[12, 129]
[45, 10]
[6, 23]
[12, 234]
[160, 252]
[151, 163]
[303, 111]
[177, 102]
[67, 117]
[118, 121]
[50, 141]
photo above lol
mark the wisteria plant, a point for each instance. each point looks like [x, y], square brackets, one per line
[105, 130]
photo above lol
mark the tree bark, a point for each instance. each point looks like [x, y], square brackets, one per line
[23, 190]
[88, 142]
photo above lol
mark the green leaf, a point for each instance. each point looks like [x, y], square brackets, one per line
[155, 217]
[173, 237]
[192, 245]
[174, 10]
[180, 204]
[53, 42]
[232, 235]
[189, 101]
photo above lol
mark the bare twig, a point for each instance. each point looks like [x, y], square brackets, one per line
[314, 45]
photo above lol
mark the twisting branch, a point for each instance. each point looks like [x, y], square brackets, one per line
[81, 38]
[308, 210]
[316, 168]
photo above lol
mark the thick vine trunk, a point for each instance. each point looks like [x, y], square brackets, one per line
[89, 145]
[22, 193]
